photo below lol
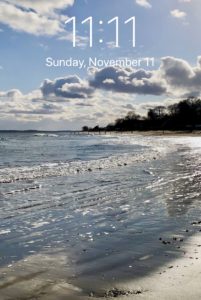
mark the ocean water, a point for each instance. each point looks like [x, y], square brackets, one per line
[100, 199]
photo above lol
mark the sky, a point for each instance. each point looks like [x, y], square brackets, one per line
[34, 95]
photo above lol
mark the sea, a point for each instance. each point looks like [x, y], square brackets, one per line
[105, 202]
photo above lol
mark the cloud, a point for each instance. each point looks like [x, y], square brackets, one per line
[175, 77]
[181, 78]
[107, 94]
[128, 81]
[71, 87]
[44, 109]
[111, 45]
[34, 17]
[46, 7]
[33, 110]
[12, 94]
[81, 41]
[178, 14]
[28, 108]
[144, 3]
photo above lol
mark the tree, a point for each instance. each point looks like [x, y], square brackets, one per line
[179, 116]
[85, 128]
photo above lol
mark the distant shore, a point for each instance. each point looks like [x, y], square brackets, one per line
[144, 133]
[149, 133]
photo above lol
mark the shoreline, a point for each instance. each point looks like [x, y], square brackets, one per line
[196, 133]
[102, 132]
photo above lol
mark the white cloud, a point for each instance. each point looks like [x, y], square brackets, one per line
[34, 17]
[176, 13]
[43, 46]
[113, 92]
[175, 77]
[111, 45]
[144, 3]
[70, 87]
[81, 41]
[185, 1]
[130, 81]
[42, 7]
[181, 78]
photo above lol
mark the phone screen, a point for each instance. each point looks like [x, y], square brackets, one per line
[100, 122]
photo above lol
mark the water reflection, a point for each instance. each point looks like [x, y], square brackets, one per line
[184, 183]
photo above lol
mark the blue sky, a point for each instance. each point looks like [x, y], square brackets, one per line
[31, 31]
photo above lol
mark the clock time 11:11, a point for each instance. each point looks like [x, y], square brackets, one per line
[114, 21]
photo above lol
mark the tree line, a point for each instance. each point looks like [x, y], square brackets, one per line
[184, 115]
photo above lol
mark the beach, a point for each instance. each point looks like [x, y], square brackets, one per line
[176, 279]
[100, 217]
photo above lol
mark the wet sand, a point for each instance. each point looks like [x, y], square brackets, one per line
[177, 278]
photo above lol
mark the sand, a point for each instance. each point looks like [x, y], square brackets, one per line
[34, 278]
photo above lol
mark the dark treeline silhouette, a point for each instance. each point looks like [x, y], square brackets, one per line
[185, 115]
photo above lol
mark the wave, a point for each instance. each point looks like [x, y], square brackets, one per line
[22, 190]
[9, 175]
[45, 135]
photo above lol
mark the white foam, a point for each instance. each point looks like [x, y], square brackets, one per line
[153, 147]
[39, 224]
[8, 175]
[45, 135]
[6, 231]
